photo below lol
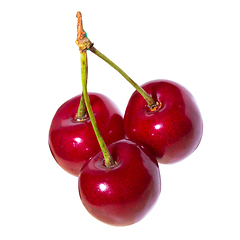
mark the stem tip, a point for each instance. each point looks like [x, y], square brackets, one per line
[80, 32]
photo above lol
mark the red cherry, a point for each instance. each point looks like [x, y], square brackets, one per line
[173, 130]
[124, 193]
[72, 142]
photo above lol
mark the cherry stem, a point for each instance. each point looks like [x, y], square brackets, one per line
[107, 156]
[146, 96]
[81, 113]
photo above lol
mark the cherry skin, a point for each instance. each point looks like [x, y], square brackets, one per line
[173, 130]
[72, 142]
[124, 193]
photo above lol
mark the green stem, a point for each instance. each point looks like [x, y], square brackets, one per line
[107, 156]
[81, 113]
[146, 96]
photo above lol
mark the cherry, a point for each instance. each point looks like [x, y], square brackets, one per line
[73, 142]
[123, 193]
[173, 128]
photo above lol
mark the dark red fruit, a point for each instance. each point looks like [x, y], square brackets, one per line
[72, 142]
[124, 193]
[173, 130]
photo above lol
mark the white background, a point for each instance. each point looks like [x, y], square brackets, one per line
[195, 43]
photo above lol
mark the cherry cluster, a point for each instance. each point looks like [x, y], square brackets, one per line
[115, 158]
